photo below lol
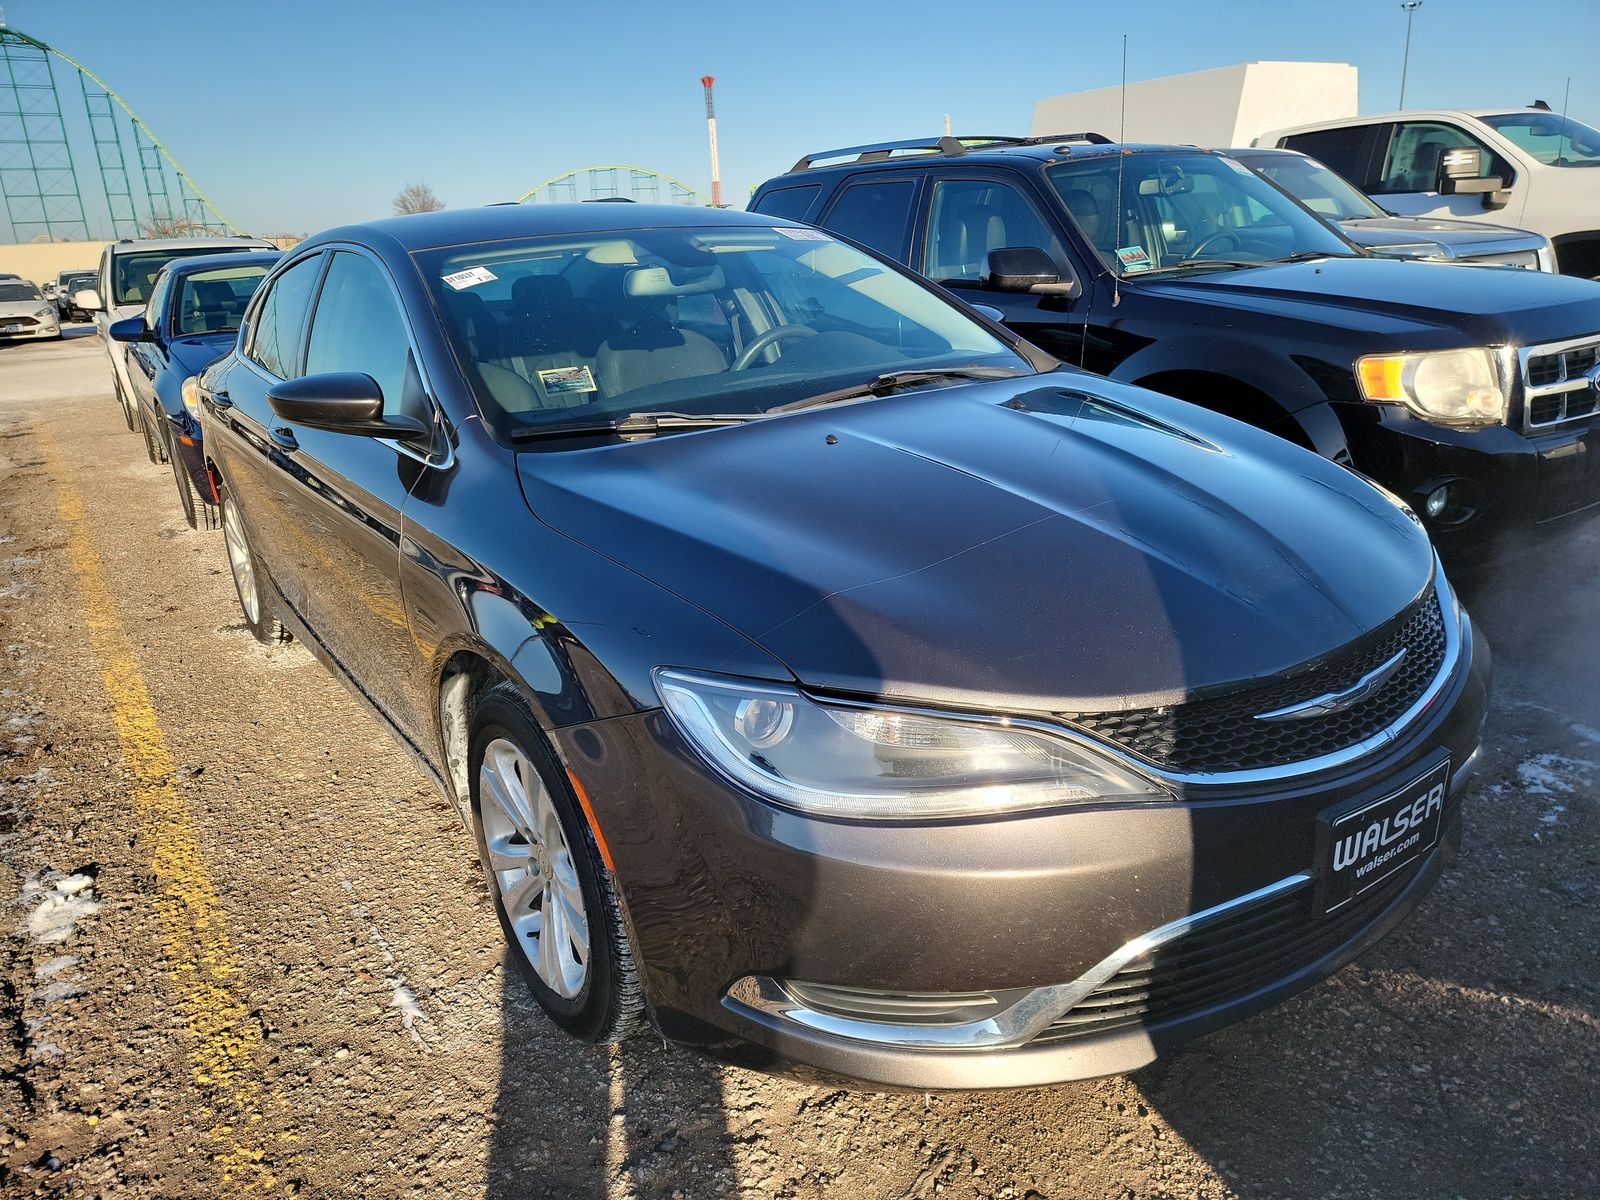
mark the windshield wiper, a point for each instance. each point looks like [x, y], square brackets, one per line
[894, 380]
[632, 426]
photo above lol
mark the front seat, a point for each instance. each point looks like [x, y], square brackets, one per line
[981, 229]
[1080, 203]
[210, 307]
[652, 349]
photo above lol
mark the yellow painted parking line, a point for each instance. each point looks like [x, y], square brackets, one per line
[245, 1114]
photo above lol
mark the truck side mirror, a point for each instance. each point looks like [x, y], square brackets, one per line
[1461, 172]
[1027, 269]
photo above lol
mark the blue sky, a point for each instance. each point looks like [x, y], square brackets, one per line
[301, 114]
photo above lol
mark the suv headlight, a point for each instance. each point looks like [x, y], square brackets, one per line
[1452, 387]
[865, 761]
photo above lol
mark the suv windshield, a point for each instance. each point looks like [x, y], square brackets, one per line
[1319, 187]
[552, 331]
[1187, 209]
[134, 272]
[213, 301]
[19, 291]
[1553, 140]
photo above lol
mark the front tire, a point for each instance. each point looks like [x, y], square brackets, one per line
[556, 901]
[154, 447]
[249, 580]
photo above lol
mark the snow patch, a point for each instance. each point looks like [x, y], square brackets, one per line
[56, 918]
[1587, 732]
[1554, 775]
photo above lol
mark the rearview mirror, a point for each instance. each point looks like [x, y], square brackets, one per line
[341, 402]
[1027, 269]
[87, 299]
[130, 329]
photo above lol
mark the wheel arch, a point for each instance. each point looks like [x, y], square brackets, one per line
[1314, 427]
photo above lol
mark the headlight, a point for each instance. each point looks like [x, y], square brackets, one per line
[865, 761]
[45, 312]
[191, 395]
[1453, 387]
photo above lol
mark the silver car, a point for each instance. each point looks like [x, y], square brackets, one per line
[25, 313]
[123, 286]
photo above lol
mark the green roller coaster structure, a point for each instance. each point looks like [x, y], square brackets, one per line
[612, 181]
[152, 197]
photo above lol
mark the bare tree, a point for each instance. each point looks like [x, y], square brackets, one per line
[416, 198]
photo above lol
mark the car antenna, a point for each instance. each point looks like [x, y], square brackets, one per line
[1562, 136]
[1122, 159]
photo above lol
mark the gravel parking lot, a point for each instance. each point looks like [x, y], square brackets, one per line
[247, 945]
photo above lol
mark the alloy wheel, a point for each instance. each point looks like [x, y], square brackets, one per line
[534, 873]
[241, 562]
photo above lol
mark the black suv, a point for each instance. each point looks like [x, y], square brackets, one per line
[1472, 394]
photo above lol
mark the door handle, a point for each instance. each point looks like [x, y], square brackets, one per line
[283, 437]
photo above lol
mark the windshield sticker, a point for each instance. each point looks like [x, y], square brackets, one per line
[1133, 258]
[562, 381]
[471, 277]
[802, 235]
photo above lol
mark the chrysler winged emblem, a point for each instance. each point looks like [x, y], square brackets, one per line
[1337, 702]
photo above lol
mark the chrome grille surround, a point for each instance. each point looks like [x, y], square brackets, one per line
[1556, 387]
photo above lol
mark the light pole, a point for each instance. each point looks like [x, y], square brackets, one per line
[1410, 7]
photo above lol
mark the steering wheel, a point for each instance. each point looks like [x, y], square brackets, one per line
[771, 337]
[1205, 243]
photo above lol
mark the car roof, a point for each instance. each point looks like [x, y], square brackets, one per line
[132, 247]
[207, 262]
[1410, 114]
[499, 222]
[1042, 150]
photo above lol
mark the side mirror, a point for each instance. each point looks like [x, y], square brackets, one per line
[1461, 172]
[131, 329]
[87, 299]
[341, 402]
[1027, 269]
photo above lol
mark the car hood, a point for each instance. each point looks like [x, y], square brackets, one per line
[1007, 545]
[23, 308]
[1388, 295]
[195, 354]
[1461, 237]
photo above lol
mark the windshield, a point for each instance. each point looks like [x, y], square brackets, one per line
[1186, 209]
[1319, 187]
[133, 273]
[1553, 140]
[19, 291]
[213, 301]
[721, 320]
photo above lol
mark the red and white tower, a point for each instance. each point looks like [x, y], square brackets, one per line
[711, 128]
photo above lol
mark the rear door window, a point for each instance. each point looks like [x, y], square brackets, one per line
[791, 203]
[278, 328]
[1342, 149]
[876, 213]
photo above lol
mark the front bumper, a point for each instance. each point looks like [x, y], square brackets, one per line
[719, 887]
[44, 328]
[1502, 481]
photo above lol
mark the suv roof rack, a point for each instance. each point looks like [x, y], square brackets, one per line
[947, 145]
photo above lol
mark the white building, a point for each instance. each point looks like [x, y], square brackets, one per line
[1225, 106]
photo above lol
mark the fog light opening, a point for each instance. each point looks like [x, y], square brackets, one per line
[1438, 500]
[1447, 503]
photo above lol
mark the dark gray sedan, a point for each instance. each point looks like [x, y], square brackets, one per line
[827, 677]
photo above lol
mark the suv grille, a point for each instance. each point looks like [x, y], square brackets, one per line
[1557, 389]
[1222, 734]
[1224, 961]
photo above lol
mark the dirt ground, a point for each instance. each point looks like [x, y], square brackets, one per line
[247, 947]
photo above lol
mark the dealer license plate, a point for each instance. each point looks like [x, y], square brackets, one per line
[1360, 848]
[12, 328]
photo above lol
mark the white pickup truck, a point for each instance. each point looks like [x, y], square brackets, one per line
[1527, 167]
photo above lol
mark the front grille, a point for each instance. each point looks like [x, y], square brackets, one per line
[19, 320]
[1557, 389]
[1222, 734]
[1223, 961]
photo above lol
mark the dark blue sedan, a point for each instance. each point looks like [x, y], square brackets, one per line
[190, 322]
